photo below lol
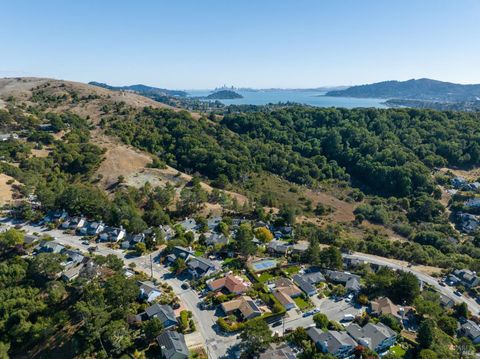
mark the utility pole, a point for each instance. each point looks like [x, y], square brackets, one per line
[151, 266]
[283, 319]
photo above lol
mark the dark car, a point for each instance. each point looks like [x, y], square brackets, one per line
[458, 293]
[185, 286]
[277, 324]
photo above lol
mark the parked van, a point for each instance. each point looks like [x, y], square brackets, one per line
[348, 317]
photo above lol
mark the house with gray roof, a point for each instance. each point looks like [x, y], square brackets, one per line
[50, 247]
[189, 224]
[163, 312]
[304, 285]
[278, 247]
[91, 228]
[149, 291]
[278, 351]
[200, 267]
[377, 337]
[467, 277]
[214, 238]
[340, 277]
[172, 345]
[180, 252]
[339, 344]
[352, 285]
[471, 330]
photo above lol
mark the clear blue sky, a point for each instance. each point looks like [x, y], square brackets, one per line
[256, 43]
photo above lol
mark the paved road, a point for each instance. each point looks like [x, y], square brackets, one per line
[216, 344]
[473, 306]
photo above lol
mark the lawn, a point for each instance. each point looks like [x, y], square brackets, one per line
[233, 263]
[301, 303]
[398, 351]
[199, 253]
[265, 277]
[292, 270]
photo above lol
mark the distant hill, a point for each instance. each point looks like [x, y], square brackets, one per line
[141, 89]
[224, 95]
[421, 89]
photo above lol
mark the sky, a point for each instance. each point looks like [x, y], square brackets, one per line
[200, 44]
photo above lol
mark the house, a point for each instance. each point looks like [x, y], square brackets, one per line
[149, 291]
[340, 277]
[472, 203]
[163, 312]
[244, 305]
[74, 223]
[30, 239]
[231, 283]
[278, 247]
[91, 228]
[50, 247]
[214, 238]
[73, 257]
[200, 267]
[71, 273]
[189, 224]
[377, 337]
[180, 252]
[474, 186]
[458, 182]
[300, 247]
[213, 223]
[446, 302]
[8, 136]
[112, 234]
[305, 285]
[352, 285]
[167, 231]
[468, 222]
[471, 330]
[285, 291]
[172, 345]
[278, 351]
[339, 344]
[467, 277]
[383, 306]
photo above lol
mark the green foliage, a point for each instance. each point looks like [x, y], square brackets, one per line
[426, 333]
[391, 321]
[321, 320]
[255, 337]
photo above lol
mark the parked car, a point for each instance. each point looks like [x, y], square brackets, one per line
[307, 314]
[86, 243]
[348, 317]
[277, 323]
[458, 293]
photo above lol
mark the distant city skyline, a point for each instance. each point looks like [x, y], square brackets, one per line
[269, 44]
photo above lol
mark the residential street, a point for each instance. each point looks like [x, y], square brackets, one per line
[216, 342]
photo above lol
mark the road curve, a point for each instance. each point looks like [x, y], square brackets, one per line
[473, 306]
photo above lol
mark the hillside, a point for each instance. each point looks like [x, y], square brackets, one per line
[420, 89]
[141, 89]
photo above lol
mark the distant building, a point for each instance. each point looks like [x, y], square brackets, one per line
[339, 344]
[377, 337]
[113, 234]
[341, 277]
[213, 239]
[458, 182]
[285, 291]
[172, 345]
[384, 306]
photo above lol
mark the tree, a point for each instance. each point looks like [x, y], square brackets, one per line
[11, 238]
[56, 292]
[121, 291]
[117, 336]
[464, 348]
[46, 266]
[321, 320]
[427, 354]
[152, 328]
[140, 248]
[243, 240]
[390, 321]
[255, 338]
[448, 325]
[288, 214]
[461, 310]
[179, 265]
[426, 333]
[4, 348]
[263, 234]
[405, 288]
[331, 257]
